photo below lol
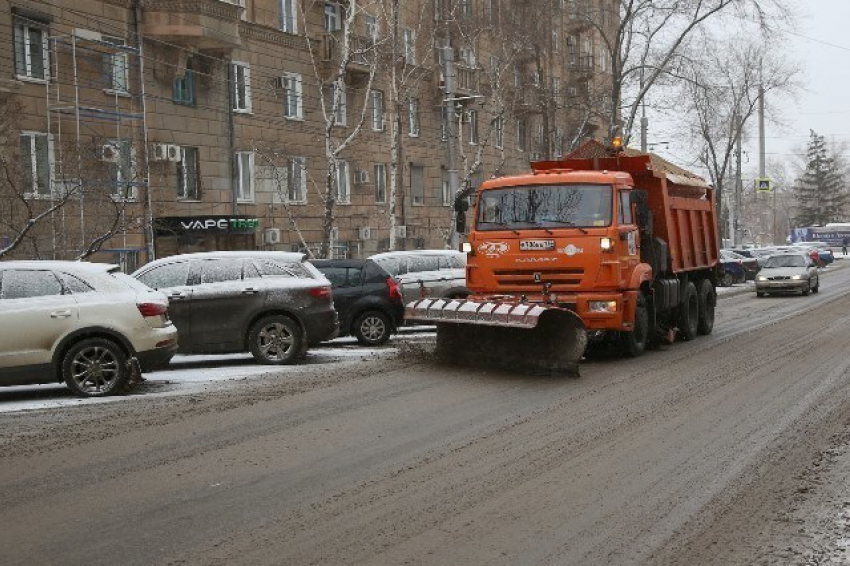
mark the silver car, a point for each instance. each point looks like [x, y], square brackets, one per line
[426, 273]
[788, 273]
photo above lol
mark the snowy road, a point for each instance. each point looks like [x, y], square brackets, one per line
[730, 449]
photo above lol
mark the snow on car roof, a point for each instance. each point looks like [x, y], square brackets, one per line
[79, 266]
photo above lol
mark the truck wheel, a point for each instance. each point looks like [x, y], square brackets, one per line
[707, 302]
[95, 367]
[633, 343]
[689, 312]
[276, 340]
[372, 328]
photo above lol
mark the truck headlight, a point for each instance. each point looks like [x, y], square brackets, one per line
[602, 306]
[466, 247]
[606, 244]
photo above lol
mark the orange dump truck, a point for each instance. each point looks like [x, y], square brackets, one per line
[619, 249]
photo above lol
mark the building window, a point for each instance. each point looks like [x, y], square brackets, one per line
[417, 184]
[120, 168]
[35, 164]
[446, 189]
[377, 110]
[297, 170]
[335, 103]
[555, 42]
[184, 88]
[521, 134]
[241, 87]
[556, 87]
[289, 16]
[116, 66]
[293, 105]
[408, 37]
[413, 116]
[245, 176]
[31, 51]
[467, 56]
[343, 185]
[187, 174]
[472, 116]
[372, 28]
[499, 127]
[380, 183]
[465, 9]
[332, 16]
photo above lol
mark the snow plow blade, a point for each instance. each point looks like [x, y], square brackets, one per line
[509, 335]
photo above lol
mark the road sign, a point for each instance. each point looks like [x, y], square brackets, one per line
[763, 185]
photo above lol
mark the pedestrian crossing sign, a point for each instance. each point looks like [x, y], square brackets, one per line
[763, 185]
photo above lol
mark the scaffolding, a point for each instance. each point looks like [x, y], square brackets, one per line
[96, 121]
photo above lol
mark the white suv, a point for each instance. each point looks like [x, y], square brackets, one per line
[86, 324]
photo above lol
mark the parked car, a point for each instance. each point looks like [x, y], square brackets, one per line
[426, 273]
[786, 273]
[750, 264]
[730, 271]
[272, 304]
[366, 298]
[82, 323]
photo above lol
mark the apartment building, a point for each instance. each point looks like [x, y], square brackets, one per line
[146, 128]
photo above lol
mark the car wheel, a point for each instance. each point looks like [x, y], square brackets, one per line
[727, 280]
[707, 301]
[689, 313]
[95, 367]
[808, 289]
[633, 343]
[816, 288]
[276, 340]
[372, 328]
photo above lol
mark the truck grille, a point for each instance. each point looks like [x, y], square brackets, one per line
[523, 280]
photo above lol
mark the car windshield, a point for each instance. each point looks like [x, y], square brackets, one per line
[545, 205]
[785, 261]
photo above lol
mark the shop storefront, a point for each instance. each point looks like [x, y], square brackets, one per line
[190, 234]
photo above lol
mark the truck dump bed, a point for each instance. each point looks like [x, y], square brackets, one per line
[682, 204]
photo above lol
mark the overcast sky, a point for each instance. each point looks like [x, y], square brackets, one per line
[821, 44]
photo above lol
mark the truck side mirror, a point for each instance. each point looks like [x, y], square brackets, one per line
[460, 222]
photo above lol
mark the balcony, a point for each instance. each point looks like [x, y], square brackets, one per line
[362, 52]
[582, 66]
[208, 25]
[466, 80]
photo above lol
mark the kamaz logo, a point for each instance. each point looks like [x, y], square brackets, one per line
[493, 249]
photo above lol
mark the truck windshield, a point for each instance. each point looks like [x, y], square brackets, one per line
[545, 205]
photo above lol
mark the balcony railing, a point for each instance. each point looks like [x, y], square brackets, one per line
[202, 24]
[362, 50]
[466, 79]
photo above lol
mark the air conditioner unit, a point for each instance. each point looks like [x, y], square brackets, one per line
[159, 152]
[110, 153]
[365, 233]
[361, 176]
[271, 236]
[174, 153]
[400, 231]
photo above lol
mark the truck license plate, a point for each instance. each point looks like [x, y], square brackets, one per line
[536, 245]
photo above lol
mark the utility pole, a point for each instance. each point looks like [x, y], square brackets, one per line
[643, 121]
[739, 185]
[451, 158]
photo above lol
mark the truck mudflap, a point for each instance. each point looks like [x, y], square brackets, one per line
[527, 337]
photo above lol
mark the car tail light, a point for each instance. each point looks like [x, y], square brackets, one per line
[152, 309]
[320, 292]
[395, 292]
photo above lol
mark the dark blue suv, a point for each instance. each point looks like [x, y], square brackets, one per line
[366, 298]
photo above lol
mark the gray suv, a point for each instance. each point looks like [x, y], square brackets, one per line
[426, 273]
[273, 304]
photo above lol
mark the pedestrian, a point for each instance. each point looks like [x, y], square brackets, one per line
[844, 245]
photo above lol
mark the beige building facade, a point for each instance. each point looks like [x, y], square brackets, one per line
[156, 127]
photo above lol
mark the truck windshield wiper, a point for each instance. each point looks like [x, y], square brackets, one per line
[570, 224]
[539, 225]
